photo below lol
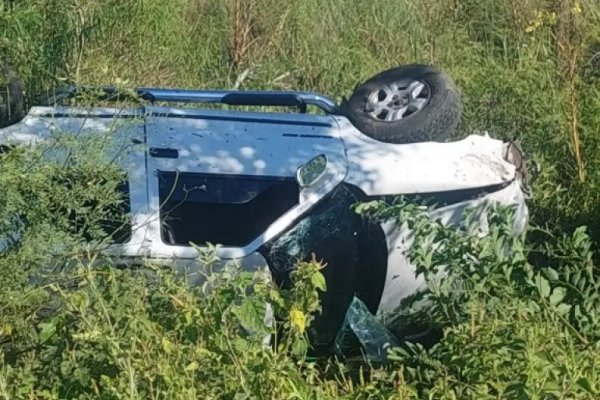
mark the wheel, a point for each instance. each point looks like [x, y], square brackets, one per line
[408, 104]
[12, 102]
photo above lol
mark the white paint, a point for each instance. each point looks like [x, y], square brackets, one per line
[401, 280]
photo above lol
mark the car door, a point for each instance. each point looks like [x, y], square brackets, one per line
[230, 178]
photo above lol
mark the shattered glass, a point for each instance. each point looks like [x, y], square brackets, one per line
[330, 233]
[363, 326]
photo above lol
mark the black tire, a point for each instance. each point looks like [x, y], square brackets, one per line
[435, 121]
[12, 100]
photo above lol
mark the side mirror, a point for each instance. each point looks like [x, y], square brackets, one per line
[310, 172]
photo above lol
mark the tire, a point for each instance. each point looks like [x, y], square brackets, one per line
[12, 100]
[408, 104]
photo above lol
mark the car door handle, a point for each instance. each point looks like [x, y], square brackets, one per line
[160, 152]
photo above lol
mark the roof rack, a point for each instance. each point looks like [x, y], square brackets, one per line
[230, 97]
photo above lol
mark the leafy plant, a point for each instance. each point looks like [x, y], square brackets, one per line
[511, 329]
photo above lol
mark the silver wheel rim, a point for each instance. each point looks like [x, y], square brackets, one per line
[398, 100]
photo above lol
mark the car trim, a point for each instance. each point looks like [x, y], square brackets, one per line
[233, 97]
[89, 116]
[441, 198]
[188, 116]
[239, 119]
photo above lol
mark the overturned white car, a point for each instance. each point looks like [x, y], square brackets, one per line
[271, 187]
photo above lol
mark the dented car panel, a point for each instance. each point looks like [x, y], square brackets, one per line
[389, 169]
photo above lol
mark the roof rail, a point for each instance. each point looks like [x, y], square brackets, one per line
[229, 97]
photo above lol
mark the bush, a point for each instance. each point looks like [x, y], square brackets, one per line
[108, 333]
[511, 329]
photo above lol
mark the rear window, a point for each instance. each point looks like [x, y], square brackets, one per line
[230, 210]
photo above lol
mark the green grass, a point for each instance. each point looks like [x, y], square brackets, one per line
[526, 69]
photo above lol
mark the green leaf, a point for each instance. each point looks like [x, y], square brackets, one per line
[192, 366]
[318, 281]
[552, 274]
[167, 345]
[367, 206]
[584, 383]
[47, 330]
[299, 347]
[563, 308]
[558, 294]
[542, 285]
[251, 315]
[241, 345]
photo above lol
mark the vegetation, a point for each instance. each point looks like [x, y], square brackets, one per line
[519, 314]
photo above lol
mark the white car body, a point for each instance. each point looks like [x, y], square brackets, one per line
[191, 144]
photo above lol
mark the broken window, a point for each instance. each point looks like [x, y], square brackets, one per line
[230, 210]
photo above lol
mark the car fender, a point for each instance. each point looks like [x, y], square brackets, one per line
[379, 168]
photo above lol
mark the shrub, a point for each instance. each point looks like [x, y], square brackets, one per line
[511, 329]
[111, 333]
